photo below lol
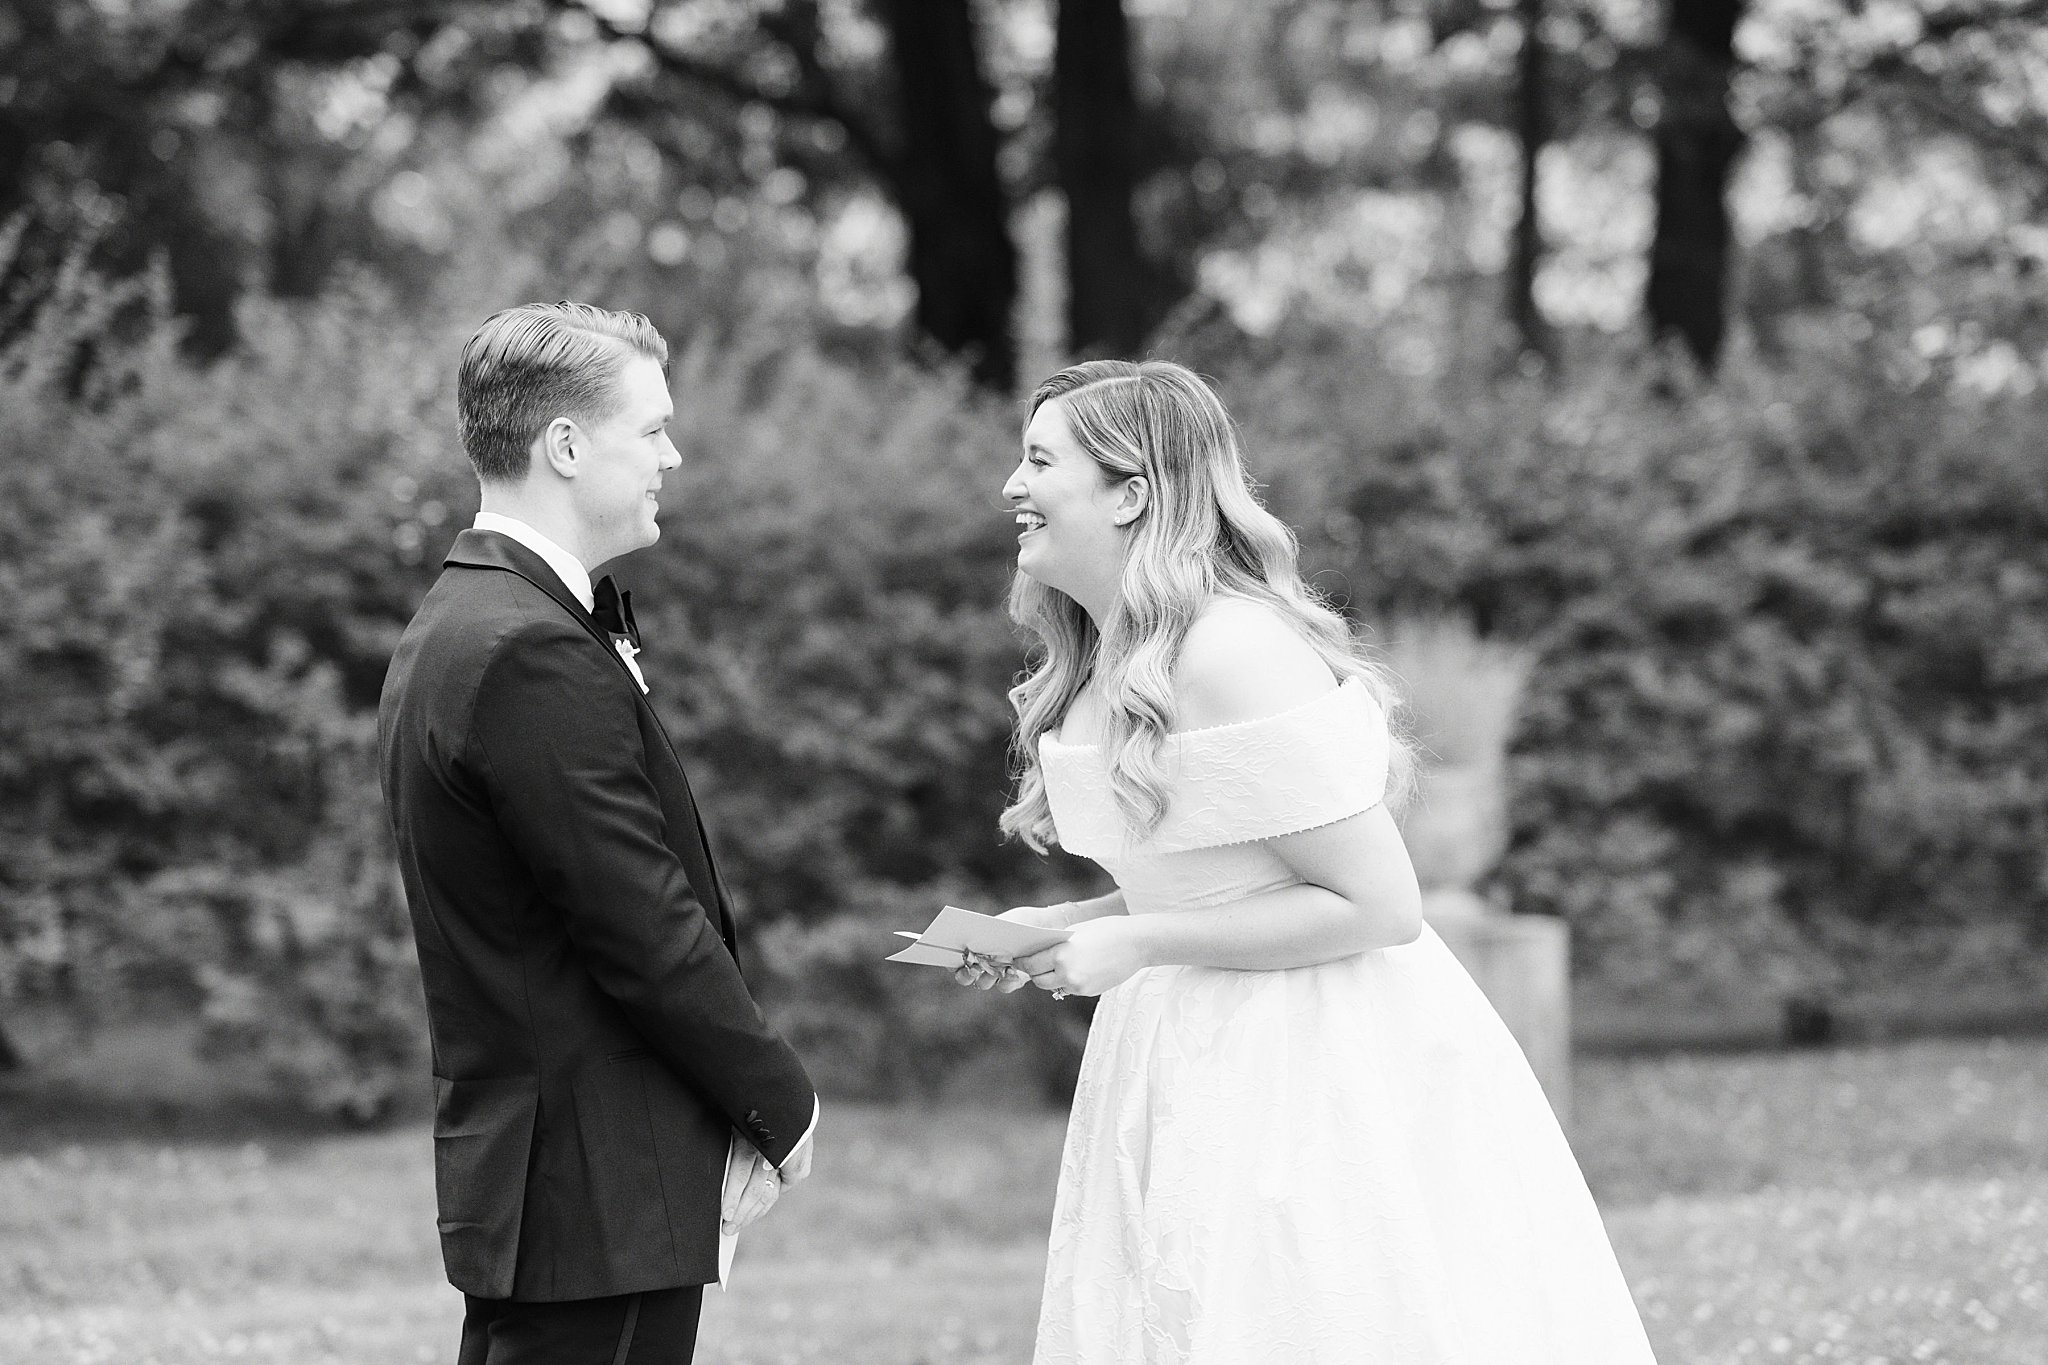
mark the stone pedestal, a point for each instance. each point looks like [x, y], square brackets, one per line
[1523, 963]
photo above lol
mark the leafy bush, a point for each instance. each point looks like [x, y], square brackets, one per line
[1797, 730]
[206, 593]
[1786, 728]
[1784, 722]
[211, 568]
[825, 611]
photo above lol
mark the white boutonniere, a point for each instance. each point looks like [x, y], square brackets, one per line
[630, 653]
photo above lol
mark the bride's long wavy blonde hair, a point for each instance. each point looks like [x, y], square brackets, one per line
[1203, 534]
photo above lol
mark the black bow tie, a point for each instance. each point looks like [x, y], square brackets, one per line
[613, 610]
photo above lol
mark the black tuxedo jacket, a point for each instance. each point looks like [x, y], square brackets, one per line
[594, 1046]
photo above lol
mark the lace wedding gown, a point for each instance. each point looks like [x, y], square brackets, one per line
[1348, 1164]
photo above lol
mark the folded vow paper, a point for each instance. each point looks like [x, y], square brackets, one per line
[956, 932]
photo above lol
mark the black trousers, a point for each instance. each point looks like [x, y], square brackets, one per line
[658, 1327]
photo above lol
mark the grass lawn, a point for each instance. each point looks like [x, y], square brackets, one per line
[1873, 1205]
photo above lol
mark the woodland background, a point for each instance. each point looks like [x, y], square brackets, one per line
[1692, 358]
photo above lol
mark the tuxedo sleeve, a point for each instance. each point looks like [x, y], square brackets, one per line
[558, 731]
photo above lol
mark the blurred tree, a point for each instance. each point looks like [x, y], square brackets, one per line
[949, 187]
[251, 142]
[88, 147]
[921, 123]
[1928, 73]
[1697, 142]
[1532, 130]
[257, 145]
[1844, 103]
[919, 118]
[1115, 293]
[230, 137]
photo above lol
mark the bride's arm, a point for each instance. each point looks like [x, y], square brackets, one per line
[1357, 893]
[1358, 890]
[1067, 914]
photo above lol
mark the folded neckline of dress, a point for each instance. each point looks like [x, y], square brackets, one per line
[1046, 740]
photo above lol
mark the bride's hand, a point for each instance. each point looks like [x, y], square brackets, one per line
[1101, 955]
[985, 974]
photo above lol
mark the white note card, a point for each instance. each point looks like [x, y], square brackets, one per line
[956, 932]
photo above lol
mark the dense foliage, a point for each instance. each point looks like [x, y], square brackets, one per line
[826, 605]
[204, 586]
[1784, 728]
[1785, 731]
[211, 566]
[1797, 723]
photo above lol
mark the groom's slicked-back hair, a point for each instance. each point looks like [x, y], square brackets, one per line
[528, 365]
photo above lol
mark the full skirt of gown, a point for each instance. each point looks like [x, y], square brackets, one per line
[1344, 1164]
[1348, 1164]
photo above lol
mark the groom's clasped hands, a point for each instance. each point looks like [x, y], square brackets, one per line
[752, 1185]
[1099, 955]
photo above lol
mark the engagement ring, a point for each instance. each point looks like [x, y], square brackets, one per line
[1060, 994]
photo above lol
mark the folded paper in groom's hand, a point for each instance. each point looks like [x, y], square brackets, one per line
[956, 932]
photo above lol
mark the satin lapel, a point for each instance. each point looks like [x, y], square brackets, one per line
[474, 549]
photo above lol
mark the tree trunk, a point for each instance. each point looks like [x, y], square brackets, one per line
[1697, 143]
[1114, 293]
[949, 188]
[1532, 128]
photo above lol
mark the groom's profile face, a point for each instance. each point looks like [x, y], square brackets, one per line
[618, 487]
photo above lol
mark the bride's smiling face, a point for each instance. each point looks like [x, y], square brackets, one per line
[1071, 513]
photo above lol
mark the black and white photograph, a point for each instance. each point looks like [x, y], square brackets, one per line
[1024, 682]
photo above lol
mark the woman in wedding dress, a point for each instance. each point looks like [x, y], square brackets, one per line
[1300, 1134]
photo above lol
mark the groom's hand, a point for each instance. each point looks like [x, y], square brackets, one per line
[798, 1167]
[751, 1187]
[982, 973]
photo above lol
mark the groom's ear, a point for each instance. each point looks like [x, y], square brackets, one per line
[561, 444]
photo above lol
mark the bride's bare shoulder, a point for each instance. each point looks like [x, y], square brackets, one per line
[1243, 660]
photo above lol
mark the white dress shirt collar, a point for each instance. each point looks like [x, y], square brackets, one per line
[567, 567]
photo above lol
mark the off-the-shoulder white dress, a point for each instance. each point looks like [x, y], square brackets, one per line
[1348, 1164]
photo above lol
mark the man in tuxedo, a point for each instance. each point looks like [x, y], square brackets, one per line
[608, 1098]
